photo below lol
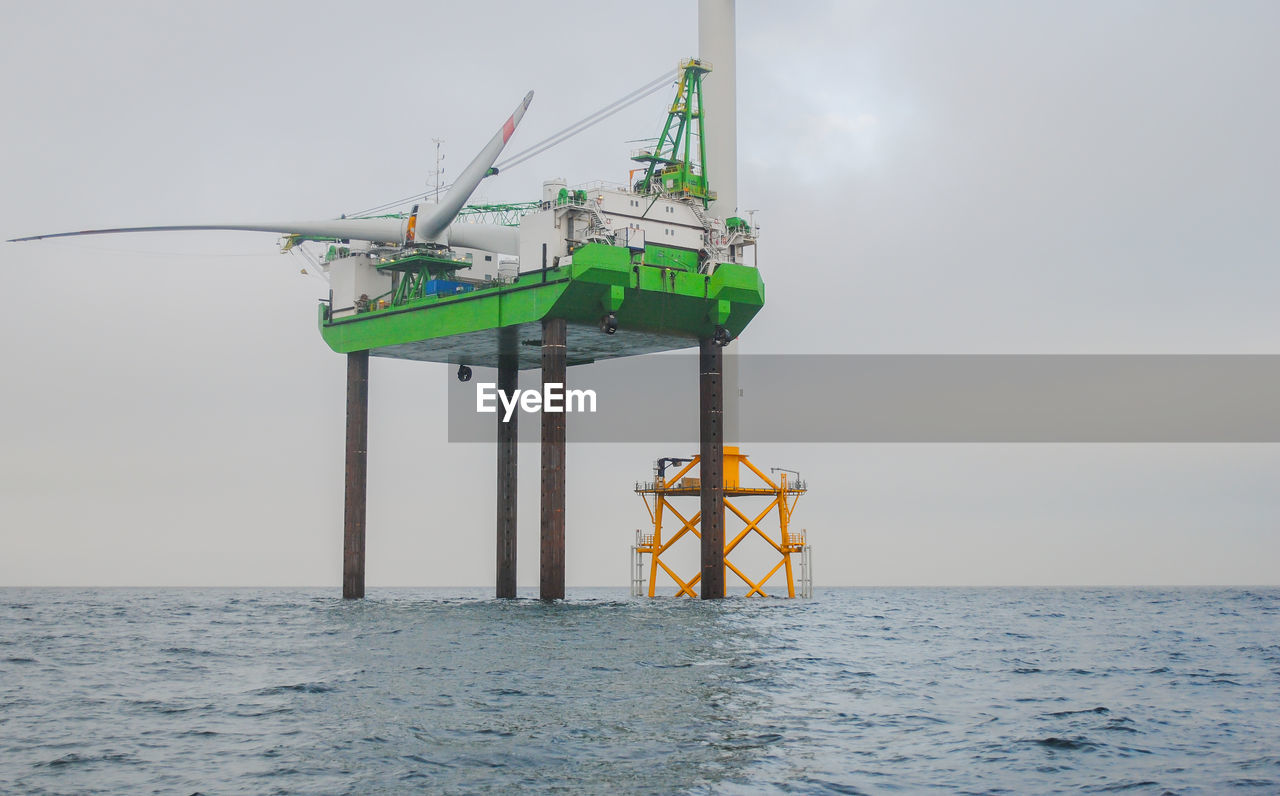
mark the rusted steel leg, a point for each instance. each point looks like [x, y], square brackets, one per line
[508, 374]
[554, 333]
[357, 443]
[711, 467]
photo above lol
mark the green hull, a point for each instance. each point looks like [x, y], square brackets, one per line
[658, 309]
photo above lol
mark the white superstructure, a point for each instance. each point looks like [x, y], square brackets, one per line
[613, 214]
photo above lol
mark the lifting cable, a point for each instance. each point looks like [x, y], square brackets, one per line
[587, 122]
[550, 141]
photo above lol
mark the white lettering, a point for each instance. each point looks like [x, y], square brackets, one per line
[586, 400]
[509, 406]
[530, 401]
[552, 395]
[484, 394]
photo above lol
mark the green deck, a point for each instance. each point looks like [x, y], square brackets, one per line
[658, 309]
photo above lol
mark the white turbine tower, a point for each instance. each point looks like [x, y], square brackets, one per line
[717, 34]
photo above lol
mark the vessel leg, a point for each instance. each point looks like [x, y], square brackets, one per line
[508, 374]
[357, 469]
[711, 467]
[554, 334]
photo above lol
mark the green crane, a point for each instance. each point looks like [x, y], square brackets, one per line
[676, 166]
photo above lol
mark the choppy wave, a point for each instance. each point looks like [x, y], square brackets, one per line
[857, 691]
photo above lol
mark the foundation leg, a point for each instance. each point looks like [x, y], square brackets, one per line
[508, 373]
[357, 469]
[711, 468]
[554, 333]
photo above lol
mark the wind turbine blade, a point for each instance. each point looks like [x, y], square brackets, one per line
[432, 221]
[374, 230]
[495, 238]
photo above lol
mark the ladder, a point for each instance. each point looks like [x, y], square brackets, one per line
[637, 565]
[715, 251]
[806, 571]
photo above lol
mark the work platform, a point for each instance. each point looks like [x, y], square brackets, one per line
[657, 308]
[600, 272]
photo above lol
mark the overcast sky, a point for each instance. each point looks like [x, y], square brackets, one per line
[930, 177]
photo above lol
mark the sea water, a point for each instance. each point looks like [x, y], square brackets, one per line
[855, 691]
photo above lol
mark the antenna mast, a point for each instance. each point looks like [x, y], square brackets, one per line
[438, 172]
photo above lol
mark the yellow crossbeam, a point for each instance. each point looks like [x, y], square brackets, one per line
[755, 587]
[690, 526]
[685, 588]
[752, 525]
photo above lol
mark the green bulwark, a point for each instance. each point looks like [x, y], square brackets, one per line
[657, 307]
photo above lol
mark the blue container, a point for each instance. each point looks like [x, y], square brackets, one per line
[444, 287]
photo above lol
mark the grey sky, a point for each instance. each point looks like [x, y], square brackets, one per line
[930, 178]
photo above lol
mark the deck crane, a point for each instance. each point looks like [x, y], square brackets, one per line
[675, 166]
